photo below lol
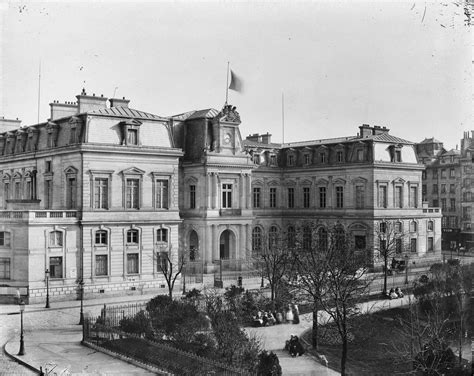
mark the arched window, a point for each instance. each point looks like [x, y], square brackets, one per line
[193, 246]
[413, 226]
[56, 239]
[306, 238]
[132, 237]
[322, 239]
[272, 237]
[430, 225]
[101, 237]
[256, 239]
[291, 237]
[339, 238]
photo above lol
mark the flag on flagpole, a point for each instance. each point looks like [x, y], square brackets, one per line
[236, 82]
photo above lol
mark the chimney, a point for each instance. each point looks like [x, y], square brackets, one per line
[379, 130]
[88, 103]
[117, 102]
[60, 110]
[253, 137]
[365, 130]
[266, 138]
[9, 124]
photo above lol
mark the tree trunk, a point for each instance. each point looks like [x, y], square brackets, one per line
[385, 275]
[314, 333]
[344, 355]
[272, 287]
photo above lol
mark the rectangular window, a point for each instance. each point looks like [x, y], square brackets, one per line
[256, 158]
[132, 263]
[452, 204]
[291, 160]
[322, 197]
[443, 204]
[452, 188]
[413, 245]
[339, 197]
[161, 187]
[4, 268]
[360, 196]
[399, 197]
[383, 196]
[435, 188]
[306, 197]
[48, 194]
[443, 188]
[162, 262]
[413, 197]
[307, 159]
[56, 267]
[273, 160]
[6, 193]
[227, 196]
[453, 222]
[398, 155]
[71, 186]
[101, 265]
[436, 203]
[17, 190]
[452, 173]
[162, 235]
[132, 136]
[443, 174]
[360, 242]
[273, 198]
[340, 156]
[256, 197]
[398, 246]
[101, 193]
[423, 174]
[291, 197]
[444, 222]
[72, 136]
[47, 166]
[322, 157]
[360, 155]
[29, 190]
[435, 174]
[4, 239]
[132, 194]
[55, 239]
[192, 196]
[430, 244]
[430, 226]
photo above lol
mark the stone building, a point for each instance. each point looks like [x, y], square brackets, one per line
[103, 193]
[447, 184]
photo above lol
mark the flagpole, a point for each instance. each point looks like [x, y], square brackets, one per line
[227, 85]
[283, 117]
[39, 90]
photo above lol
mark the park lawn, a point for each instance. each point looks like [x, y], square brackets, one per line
[371, 351]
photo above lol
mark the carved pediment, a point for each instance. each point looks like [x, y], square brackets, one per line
[71, 170]
[359, 179]
[133, 171]
[339, 181]
[306, 182]
[322, 181]
[398, 181]
[257, 182]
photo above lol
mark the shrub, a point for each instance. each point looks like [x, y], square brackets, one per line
[138, 324]
[268, 364]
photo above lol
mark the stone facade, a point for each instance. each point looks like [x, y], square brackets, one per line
[99, 193]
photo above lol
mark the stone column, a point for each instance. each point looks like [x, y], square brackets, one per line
[214, 254]
[243, 193]
[208, 246]
[209, 190]
[215, 201]
[249, 191]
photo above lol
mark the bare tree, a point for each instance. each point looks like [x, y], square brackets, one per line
[273, 257]
[171, 266]
[390, 239]
[346, 283]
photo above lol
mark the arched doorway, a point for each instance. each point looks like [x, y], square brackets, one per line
[226, 245]
[193, 246]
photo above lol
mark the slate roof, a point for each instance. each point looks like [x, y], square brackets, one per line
[430, 141]
[126, 112]
[209, 113]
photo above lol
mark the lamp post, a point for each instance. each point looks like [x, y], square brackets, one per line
[81, 291]
[22, 342]
[406, 269]
[46, 273]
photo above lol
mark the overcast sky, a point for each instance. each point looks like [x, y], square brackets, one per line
[405, 65]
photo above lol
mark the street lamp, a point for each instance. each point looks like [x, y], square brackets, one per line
[22, 342]
[81, 291]
[46, 273]
[406, 269]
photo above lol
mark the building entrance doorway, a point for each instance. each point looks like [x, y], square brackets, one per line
[226, 245]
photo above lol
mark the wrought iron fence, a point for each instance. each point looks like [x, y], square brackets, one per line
[153, 353]
[111, 315]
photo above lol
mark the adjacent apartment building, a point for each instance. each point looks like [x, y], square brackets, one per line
[102, 193]
[447, 183]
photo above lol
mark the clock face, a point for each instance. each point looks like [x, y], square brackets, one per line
[227, 138]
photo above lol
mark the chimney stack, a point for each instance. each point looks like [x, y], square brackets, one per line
[117, 102]
[365, 130]
[60, 110]
[9, 124]
[88, 103]
[254, 137]
[266, 138]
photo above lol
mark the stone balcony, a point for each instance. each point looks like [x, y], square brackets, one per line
[39, 216]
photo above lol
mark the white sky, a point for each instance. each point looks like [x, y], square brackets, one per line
[339, 64]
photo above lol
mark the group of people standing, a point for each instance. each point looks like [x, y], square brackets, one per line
[290, 314]
[394, 293]
[294, 346]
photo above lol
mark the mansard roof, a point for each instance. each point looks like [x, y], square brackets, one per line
[208, 113]
[126, 112]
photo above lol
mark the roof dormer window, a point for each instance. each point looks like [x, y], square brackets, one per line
[291, 160]
[131, 132]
